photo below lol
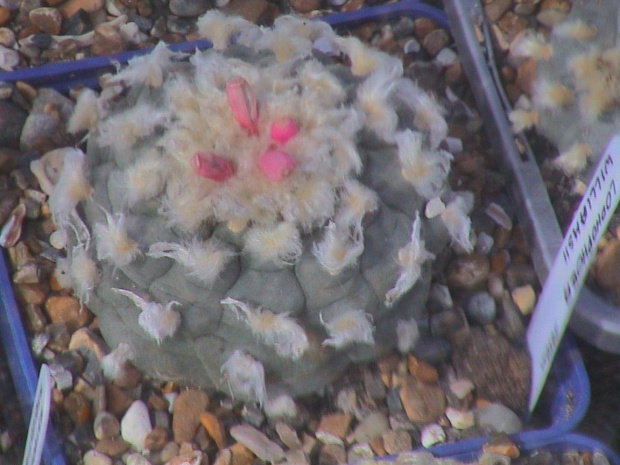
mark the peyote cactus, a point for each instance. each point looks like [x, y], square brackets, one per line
[253, 219]
[576, 94]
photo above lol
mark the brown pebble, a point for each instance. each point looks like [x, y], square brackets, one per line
[71, 7]
[454, 74]
[241, 455]
[526, 74]
[512, 24]
[423, 403]
[78, 408]
[117, 400]
[106, 41]
[68, 310]
[35, 319]
[607, 265]
[423, 27]
[553, 12]
[352, 5]
[334, 425]
[114, 447]
[156, 439]
[305, 6]
[106, 426]
[376, 444]
[259, 12]
[397, 441]
[33, 294]
[189, 458]
[48, 20]
[5, 15]
[435, 41]
[211, 423]
[499, 261]
[157, 402]
[495, 9]
[421, 370]
[468, 272]
[85, 338]
[332, 454]
[186, 411]
[501, 445]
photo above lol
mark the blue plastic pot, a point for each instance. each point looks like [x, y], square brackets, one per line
[564, 401]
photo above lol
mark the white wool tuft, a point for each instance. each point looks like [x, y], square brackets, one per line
[457, 222]
[407, 335]
[113, 364]
[205, 260]
[364, 60]
[551, 95]
[145, 178]
[410, 259]
[428, 112]
[86, 113]
[531, 45]
[113, 243]
[245, 377]
[577, 29]
[84, 273]
[522, 119]
[148, 69]
[356, 200]
[349, 327]
[157, 321]
[427, 171]
[123, 130]
[279, 331]
[573, 160]
[281, 244]
[220, 29]
[340, 248]
[374, 99]
[71, 188]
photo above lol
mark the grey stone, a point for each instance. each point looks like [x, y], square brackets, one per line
[188, 8]
[480, 308]
[9, 58]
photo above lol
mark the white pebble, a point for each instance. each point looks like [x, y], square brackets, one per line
[59, 239]
[136, 425]
[412, 46]
[498, 418]
[171, 397]
[434, 207]
[459, 419]
[432, 434]
[461, 388]
[455, 145]
[499, 215]
[324, 45]
[92, 457]
[484, 243]
[257, 442]
[9, 59]
[446, 57]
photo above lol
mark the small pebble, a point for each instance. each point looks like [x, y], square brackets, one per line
[481, 308]
[136, 425]
[498, 418]
[459, 419]
[257, 442]
[525, 298]
[432, 434]
[92, 457]
[106, 425]
[188, 8]
[186, 412]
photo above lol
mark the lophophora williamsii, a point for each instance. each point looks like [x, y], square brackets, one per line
[253, 218]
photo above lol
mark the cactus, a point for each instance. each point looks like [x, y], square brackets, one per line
[257, 216]
[576, 94]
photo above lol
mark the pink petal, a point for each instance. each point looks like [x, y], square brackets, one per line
[276, 164]
[284, 129]
[212, 166]
[243, 104]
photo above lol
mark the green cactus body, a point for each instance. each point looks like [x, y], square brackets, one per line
[244, 281]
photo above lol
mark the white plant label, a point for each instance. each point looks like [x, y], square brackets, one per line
[39, 418]
[570, 266]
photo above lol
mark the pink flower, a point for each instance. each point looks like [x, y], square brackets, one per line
[283, 129]
[212, 166]
[243, 104]
[276, 164]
